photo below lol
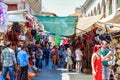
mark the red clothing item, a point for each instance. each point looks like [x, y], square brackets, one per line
[31, 62]
[98, 68]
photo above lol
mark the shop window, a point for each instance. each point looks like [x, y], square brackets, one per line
[118, 3]
[12, 7]
[98, 9]
[91, 13]
[110, 7]
[95, 12]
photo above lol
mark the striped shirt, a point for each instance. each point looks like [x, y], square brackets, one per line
[8, 57]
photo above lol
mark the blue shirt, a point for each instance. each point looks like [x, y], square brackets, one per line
[22, 58]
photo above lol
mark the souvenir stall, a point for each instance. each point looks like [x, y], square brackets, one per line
[113, 25]
[15, 27]
[86, 41]
[115, 61]
[3, 25]
[87, 36]
[20, 28]
[21, 31]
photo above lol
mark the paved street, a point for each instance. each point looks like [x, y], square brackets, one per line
[48, 74]
[60, 74]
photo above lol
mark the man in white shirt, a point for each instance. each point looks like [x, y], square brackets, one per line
[78, 58]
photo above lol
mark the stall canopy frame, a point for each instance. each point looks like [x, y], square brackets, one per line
[112, 20]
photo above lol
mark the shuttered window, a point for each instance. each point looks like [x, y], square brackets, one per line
[110, 7]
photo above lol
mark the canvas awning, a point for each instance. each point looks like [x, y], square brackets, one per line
[84, 24]
[113, 18]
[16, 16]
[62, 26]
[116, 18]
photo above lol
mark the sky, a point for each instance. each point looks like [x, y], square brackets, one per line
[61, 7]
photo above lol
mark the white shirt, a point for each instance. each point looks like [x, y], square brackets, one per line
[78, 54]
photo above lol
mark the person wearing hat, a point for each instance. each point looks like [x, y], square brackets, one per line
[8, 60]
[22, 58]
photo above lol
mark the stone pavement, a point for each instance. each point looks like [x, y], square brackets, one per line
[60, 74]
[76, 76]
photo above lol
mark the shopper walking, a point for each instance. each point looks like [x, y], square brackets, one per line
[22, 58]
[39, 56]
[78, 56]
[8, 60]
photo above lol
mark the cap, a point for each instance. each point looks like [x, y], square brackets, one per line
[7, 43]
[19, 48]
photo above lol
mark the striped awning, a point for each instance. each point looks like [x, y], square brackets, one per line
[35, 5]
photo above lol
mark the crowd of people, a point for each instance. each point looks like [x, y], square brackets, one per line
[30, 58]
[67, 57]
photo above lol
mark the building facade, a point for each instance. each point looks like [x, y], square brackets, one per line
[33, 6]
[96, 7]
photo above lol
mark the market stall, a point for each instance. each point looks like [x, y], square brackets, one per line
[87, 32]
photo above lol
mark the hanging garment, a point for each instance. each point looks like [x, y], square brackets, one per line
[33, 32]
[3, 17]
[37, 37]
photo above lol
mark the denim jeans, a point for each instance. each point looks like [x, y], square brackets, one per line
[23, 73]
[40, 63]
[105, 72]
[47, 60]
[11, 72]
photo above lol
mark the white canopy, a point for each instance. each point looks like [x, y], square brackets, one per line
[16, 16]
[84, 24]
